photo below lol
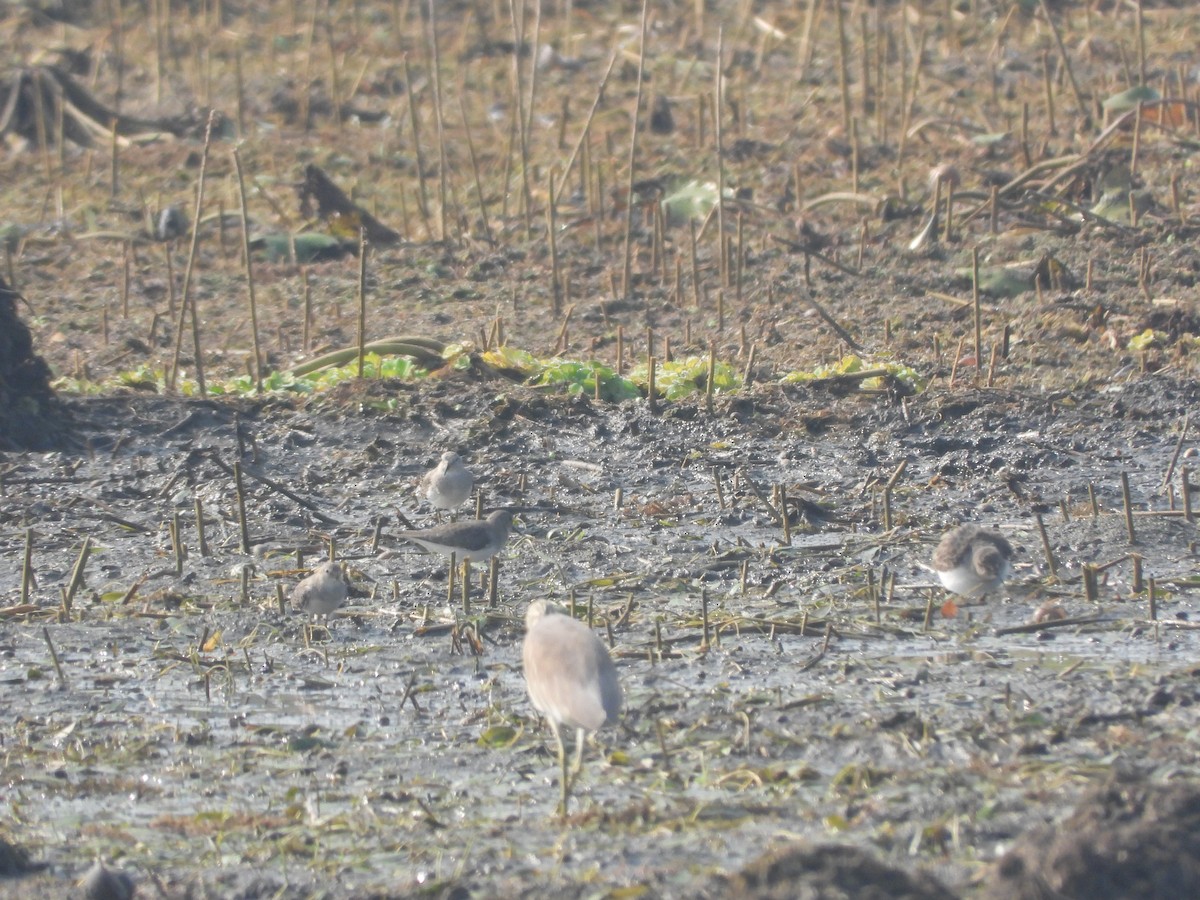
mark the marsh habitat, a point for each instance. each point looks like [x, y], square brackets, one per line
[737, 308]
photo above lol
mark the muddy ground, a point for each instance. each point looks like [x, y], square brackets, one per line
[201, 739]
[176, 722]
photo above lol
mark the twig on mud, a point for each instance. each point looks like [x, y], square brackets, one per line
[754, 489]
[62, 679]
[1182, 624]
[815, 254]
[623, 618]
[820, 655]
[1086, 214]
[1053, 623]
[832, 323]
[279, 488]
[407, 696]
[1183, 429]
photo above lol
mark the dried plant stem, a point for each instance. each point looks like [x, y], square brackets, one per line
[1048, 85]
[27, 567]
[948, 233]
[748, 372]
[520, 136]
[116, 161]
[887, 493]
[1128, 503]
[1062, 53]
[240, 489]
[806, 43]
[954, 364]
[435, 65]
[493, 582]
[187, 301]
[241, 182]
[483, 216]
[465, 585]
[587, 126]
[1185, 491]
[414, 123]
[712, 377]
[76, 581]
[651, 388]
[719, 134]
[843, 64]
[552, 234]
[1047, 550]
[1140, 30]
[362, 300]
[177, 542]
[978, 310]
[534, 49]
[1134, 155]
[832, 322]
[58, 671]
[201, 540]
[1179, 448]
[627, 267]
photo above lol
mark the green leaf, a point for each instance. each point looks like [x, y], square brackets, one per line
[1129, 99]
[498, 737]
[310, 246]
[1144, 341]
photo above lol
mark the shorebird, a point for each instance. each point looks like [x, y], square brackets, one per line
[448, 484]
[472, 541]
[972, 562]
[323, 591]
[102, 883]
[571, 681]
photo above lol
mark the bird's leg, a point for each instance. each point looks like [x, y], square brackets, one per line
[577, 765]
[450, 581]
[564, 780]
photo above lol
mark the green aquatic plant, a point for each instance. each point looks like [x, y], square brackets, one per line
[582, 378]
[682, 377]
[870, 376]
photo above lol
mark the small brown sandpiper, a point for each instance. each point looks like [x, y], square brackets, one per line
[972, 562]
[449, 484]
[323, 591]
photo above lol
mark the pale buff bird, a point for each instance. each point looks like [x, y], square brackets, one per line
[323, 591]
[449, 484]
[571, 681]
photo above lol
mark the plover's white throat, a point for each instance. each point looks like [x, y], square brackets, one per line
[473, 541]
[449, 484]
[571, 681]
[972, 562]
[323, 591]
